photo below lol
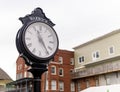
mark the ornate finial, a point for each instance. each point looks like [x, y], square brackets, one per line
[38, 12]
[36, 15]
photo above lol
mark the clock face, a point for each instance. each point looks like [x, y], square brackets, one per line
[40, 40]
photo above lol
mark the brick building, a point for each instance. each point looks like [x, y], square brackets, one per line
[56, 79]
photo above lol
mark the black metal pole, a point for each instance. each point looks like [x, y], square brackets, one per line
[37, 84]
[37, 71]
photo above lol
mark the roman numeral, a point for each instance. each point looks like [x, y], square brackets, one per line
[34, 28]
[50, 35]
[40, 27]
[49, 48]
[34, 50]
[51, 42]
[29, 32]
[28, 38]
[29, 45]
[39, 53]
[47, 53]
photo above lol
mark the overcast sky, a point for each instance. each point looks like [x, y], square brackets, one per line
[77, 21]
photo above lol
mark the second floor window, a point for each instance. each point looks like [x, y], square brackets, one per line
[61, 71]
[71, 61]
[53, 70]
[111, 50]
[81, 59]
[95, 55]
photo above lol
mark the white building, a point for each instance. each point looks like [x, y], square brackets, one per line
[97, 62]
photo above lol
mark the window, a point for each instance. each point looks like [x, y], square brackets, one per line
[71, 61]
[87, 83]
[97, 82]
[81, 59]
[53, 70]
[53, 85]
[61, 71]
[108, 81]
[72, 87]
[78, 85]
[61, 85]
[95, 55]
[111, 50]
[71, 70]
[61, 60]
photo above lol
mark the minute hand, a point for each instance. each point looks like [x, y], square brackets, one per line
[42, 42]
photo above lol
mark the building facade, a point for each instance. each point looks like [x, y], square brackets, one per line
[56, 79]
[58, 76]
[97, 62]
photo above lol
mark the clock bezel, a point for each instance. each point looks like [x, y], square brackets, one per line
[27, 52]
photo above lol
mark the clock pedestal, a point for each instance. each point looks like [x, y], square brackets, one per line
[37, 70]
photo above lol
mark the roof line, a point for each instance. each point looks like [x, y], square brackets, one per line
[98, 38]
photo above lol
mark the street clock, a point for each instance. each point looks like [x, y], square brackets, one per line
[36, 39]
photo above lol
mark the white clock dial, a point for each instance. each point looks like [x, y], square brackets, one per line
[40, 40]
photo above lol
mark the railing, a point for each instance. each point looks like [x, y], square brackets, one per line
[25, 89]
[98, 69]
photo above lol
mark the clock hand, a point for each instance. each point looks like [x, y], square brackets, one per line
[41, 41]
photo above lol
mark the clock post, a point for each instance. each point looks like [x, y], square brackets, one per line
[37, 71]
[37, 42]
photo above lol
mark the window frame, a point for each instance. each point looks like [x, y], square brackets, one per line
[95, 55]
